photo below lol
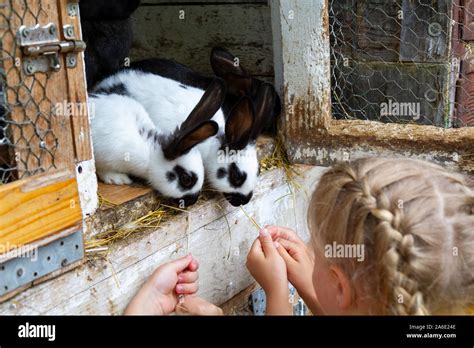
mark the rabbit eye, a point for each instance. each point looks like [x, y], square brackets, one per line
[186, 180]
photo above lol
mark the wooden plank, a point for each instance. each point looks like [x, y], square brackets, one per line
[239, 304]
[42, 140]
[37, 207]
[77, 90]
[353, 139]
[244, 30]
[106, 286]
[302, 67]
[119, 194]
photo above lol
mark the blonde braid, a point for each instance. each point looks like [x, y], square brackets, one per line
[395, 246]
[358, 203]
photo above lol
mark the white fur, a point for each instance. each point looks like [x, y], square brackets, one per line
[168, 105]
[120, 150]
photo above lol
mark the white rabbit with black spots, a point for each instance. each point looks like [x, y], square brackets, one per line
[126, 142]
[230, 157]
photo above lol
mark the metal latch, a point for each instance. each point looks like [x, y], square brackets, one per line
[41, 47]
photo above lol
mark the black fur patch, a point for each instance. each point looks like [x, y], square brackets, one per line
[119, 89]
[171, 176]
[186, 179]
[221, 172]
[236, 177]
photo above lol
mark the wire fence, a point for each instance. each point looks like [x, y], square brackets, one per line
[405, 61]
[27, 142]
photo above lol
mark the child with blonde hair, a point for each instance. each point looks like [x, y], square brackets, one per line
[414, 222]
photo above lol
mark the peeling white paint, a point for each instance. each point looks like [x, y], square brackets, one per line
[87, 186]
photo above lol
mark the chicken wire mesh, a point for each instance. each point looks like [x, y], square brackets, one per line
[27, 141]
[402, 61]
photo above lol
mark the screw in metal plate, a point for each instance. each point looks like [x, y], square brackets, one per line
[71, 61]
[25, 32]
[70, 31]
[64, 263]
[52, 30]
[30, 68]
[19, 272]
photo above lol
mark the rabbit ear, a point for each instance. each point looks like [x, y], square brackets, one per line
[188, 138]
[224, 65]
[208, 105]
[264, 107]
[240, 124]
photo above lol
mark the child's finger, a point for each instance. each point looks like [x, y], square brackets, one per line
[291, 247]
[194, 265]
[188, 277]
[187, 288]
[267, 242]
[256, 248]
[283, 232]
[180, 264]
[284, 254]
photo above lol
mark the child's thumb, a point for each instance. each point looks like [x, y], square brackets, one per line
[181, 264]
[267, 242]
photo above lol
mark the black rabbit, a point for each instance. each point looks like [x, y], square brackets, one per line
[239, 83]
[107, 31]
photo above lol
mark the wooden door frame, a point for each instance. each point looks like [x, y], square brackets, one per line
[302, 74]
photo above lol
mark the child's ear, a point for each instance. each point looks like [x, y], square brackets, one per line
[343, 286]
[225, 65]
[240, 124]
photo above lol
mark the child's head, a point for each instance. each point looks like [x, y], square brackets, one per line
[414, 224]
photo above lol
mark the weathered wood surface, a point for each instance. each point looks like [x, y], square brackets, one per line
[244, 29]
[347, 140]
[77, 90]
[105, 287]
[302, 68]
[36, 208]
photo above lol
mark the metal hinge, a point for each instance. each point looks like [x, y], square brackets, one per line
[41, 47]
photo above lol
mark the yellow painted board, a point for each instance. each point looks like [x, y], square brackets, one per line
[37, 207]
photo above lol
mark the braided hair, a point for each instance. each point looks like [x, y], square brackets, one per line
[416, 221]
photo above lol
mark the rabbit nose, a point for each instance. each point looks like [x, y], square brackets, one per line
[188, 200]
[237, 199]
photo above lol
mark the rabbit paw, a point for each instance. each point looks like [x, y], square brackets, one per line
[116, 179]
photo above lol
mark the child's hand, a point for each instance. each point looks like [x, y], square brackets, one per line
[299, 260]
[158, 296]
[269, 270]
[194, 305]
